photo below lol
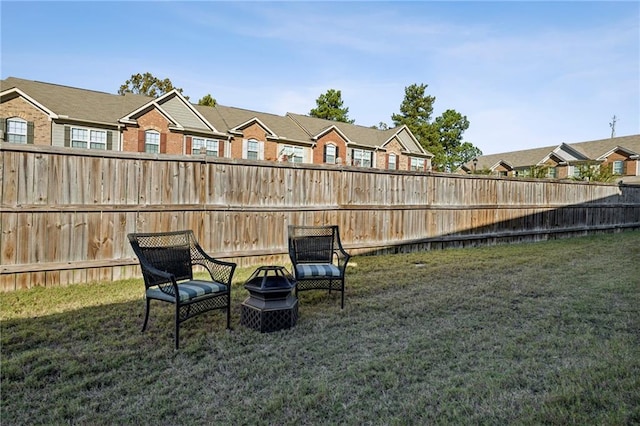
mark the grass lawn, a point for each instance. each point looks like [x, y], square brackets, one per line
[536, 333]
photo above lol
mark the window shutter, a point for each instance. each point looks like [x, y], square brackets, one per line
[337, 153]
[221, 148]
[3, 128]
[67, 136]
[109, 140]
[244, 148]
[141, 139]
[387, 158]
[30, 132]
[260, 150]
[163, 143]
[324, 154]
[188, 145]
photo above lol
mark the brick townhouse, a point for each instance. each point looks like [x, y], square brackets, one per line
[40, 113]
[621, 154]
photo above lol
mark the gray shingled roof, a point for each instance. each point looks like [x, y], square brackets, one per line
[100, 107]
[529, 157]
[80, 104]
[361, 135]
[282, 126]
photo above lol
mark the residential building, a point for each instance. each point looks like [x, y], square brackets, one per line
[49, 114]
[564, 161]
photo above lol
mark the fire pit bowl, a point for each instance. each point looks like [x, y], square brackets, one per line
[270, 305]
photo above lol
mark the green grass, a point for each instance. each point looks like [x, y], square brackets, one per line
[541, 333]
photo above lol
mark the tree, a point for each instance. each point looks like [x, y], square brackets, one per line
[330, 107]
[451, 126]
[207, 100]
[595, 172]
[443, 136]
[415, 113]
[147, 84]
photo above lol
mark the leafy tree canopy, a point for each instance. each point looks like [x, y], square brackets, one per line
[595, 172]
[147, 84]
[330, 107]
[443, 137]
[207, 100]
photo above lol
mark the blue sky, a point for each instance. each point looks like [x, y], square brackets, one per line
[526, 74]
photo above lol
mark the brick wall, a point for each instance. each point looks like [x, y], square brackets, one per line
[333, 138]
[18, 107]
[153, 120]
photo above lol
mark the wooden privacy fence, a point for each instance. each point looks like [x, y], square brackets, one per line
[66, 213]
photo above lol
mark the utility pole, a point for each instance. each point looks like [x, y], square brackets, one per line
[613, 126]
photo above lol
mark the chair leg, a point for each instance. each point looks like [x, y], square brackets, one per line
[177, 332]
[146, 314]
[228, 312]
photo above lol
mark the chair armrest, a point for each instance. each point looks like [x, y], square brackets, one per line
[156, 277]
[219, 270]
[342, 257]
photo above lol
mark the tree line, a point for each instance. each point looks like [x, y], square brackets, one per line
[442, 136]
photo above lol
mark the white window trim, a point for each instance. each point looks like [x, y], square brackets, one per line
[290, 152]
[148, 143]
[88, 142]
[245, 148]
[418, 164]
[395, 161]
[613, 167]
[362, 152]
[326, 156]
[206, 142]
[11, 137]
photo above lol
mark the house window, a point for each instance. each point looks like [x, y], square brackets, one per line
[417, 163]
[392, 163]
[618, 167]
[151, 141]
[85, 138]
[576, 171]
[330, 154]
[294, 154]
[252, 149]
[16, 130]
[551, 172]
[205, 146]
[362, 158]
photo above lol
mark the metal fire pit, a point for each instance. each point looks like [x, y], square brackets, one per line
[271, 305]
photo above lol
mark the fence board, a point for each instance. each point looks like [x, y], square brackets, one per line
[66, 214]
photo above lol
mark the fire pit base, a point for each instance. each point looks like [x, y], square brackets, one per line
[270, 305]
[270, 320]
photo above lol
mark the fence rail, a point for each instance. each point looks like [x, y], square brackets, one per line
[66, 213]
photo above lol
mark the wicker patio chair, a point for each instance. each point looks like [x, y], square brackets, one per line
[318, 258]
[167, 260]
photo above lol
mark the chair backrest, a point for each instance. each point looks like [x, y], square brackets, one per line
[312, 244]
[167, 251]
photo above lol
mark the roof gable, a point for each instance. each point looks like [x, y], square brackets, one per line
[17, 93]
[239, 128]
[407, 140]
[176, 109]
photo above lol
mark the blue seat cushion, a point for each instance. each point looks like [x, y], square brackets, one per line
[317, 270]
[188, 290]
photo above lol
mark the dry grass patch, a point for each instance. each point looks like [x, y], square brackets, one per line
[529, 334]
